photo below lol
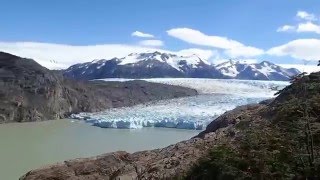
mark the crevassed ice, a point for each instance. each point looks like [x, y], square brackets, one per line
[245, 88]
[217, 97]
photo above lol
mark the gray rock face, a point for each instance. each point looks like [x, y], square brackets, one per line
[30, 92]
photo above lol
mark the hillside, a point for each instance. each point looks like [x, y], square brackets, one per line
[279, 140]
[276, 139]
[30, 92]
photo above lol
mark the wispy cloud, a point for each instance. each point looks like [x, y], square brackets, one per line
[306, 25]
[303, 49]
[142, 34]
[66, 55]
[153, 43]
[301, 27]
[232, 48]
[306, 16]
[286, 28]
[245, 61]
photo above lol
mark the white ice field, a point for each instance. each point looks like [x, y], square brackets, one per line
[216, 97]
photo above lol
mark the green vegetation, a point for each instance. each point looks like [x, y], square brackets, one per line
[282, 141]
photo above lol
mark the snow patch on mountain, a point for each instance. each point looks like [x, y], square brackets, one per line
[228, 68]
[262, 71]
[171, 59]
[158, 65]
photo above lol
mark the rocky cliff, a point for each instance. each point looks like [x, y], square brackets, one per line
[276, 139]
[30, 92]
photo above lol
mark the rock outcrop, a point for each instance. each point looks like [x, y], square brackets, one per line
[30, 92]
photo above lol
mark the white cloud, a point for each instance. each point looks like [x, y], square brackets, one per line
[306, 16]
[196, 37]
[302, 67]
[154, 43]
[308, 27]
[208, 56]
[308, 49]
[245, 61]
[66, 55]
[142, 34]
[286, 28]
[244, 51]
[233, 48]
[202, 53]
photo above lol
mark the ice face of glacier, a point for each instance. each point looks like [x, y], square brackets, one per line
[183, 113]
[216, 97]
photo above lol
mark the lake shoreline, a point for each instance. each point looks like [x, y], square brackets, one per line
[26, 146]
[170, 161]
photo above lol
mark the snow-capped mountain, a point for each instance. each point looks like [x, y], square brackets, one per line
[144, 65]
[257, 71]
[158, 65]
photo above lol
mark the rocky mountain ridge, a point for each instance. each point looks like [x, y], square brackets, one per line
[256, 71]
[162, 65]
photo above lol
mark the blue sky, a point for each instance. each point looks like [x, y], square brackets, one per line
[76, 23]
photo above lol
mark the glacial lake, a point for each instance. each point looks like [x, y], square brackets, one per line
[31, 145]
[27, 146]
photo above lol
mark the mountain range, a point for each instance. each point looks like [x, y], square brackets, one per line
[162, 65]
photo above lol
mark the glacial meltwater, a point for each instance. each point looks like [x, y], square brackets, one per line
[27, 146]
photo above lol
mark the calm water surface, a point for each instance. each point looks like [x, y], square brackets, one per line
[30, 145]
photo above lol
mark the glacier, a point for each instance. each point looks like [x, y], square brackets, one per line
[194, 113]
